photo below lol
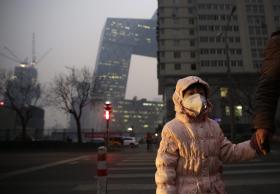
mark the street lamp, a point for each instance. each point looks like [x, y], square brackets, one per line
[228, 72]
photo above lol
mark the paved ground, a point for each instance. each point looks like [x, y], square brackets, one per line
[130, 171]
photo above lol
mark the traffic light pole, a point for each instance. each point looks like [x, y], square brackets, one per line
[107, 130]
[107, 111]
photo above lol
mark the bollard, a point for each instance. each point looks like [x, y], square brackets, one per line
[101, 170]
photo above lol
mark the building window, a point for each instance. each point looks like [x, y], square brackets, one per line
[162, 66]
[213, 63]
[238, 111]
[176, 42]
[193, 66]
[203, 39]
[192, 54]
[223, 92]
[162, 54]
[191, 42]
[191, 21]
[177, 66]
[220, 63]
[227, 110]
[191, 32]
[177, 54]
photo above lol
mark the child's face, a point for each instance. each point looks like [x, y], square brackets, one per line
[194, 90]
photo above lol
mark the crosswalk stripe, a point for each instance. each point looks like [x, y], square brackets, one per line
[133, 168]
[229, 172]
[257, 171]
[139, 160]
[135, 164]
[252, 164]
[125, 187]
[152, 167]
[129, 163]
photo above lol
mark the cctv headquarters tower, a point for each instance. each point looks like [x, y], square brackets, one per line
[121, 39]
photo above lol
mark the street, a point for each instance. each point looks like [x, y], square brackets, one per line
[130, 171]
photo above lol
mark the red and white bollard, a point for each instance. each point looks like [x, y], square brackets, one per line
[101, 170]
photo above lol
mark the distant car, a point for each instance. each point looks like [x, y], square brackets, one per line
[115, 142]
[98, 141]
[130, 141]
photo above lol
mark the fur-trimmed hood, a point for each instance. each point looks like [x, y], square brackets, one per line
[181, 86]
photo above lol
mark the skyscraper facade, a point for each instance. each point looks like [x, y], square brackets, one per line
[221, 41]
[121, 39]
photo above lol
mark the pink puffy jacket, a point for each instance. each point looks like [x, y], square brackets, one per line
[191, 153]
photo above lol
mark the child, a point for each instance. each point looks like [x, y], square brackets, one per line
[193, 146]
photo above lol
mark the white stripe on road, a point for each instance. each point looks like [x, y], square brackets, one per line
[231, 172]
[113, 187]
[126, 187]
[32, 169]
[74, 162]
[258, 171]
[253, 164]
[133, 168]
[136, 164]
[138, 160]
[272, 164]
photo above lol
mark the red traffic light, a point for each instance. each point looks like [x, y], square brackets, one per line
[107, 115]
[2, 103]
[108, 106]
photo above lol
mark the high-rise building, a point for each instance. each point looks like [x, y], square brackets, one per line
[141, 116]
[221, 41]
[121, 39]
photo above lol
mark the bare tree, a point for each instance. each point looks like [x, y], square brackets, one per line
[21, 93]
[71, 92]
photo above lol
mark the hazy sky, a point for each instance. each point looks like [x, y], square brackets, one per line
[72, 28]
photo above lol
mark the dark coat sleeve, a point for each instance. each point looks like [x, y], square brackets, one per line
[268, 87]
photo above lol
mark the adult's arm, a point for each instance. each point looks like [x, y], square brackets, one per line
[268, 87]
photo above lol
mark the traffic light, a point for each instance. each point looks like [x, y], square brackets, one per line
[2, 103]
[107, 110]
[107, 115]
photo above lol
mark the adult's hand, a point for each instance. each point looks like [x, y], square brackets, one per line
[260, 141]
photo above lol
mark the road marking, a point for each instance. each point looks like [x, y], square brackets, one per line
[138, 160]
[32, 169]
[136, 164]
[251, 182]
[133, 168]
[258, 171]
[125, 187]
[252, 164]
[150, 167]
[231, 172]
[114, 187]
[73, 163]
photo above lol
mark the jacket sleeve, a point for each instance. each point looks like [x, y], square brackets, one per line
[235, 152]
[268, 91]
[166, 162]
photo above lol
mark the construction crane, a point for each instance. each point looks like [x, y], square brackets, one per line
[34, 61]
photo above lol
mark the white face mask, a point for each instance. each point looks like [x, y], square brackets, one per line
[196, 103]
